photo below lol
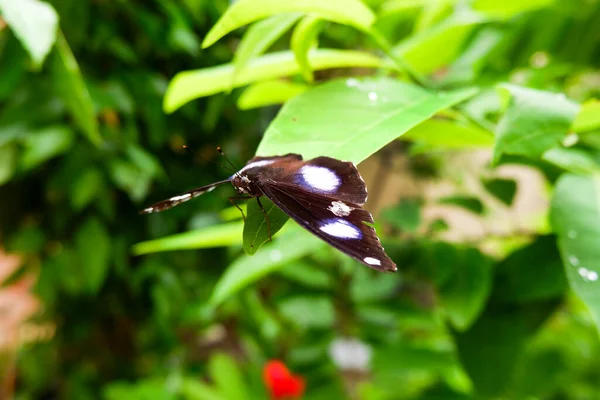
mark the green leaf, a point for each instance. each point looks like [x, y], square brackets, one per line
[8, 162]
[470, 203]
[573, 160]
[303, 37]
[436, 134]
[405, 216]
[71, 87]
[268, 93]
[189, 85]
[44, 144]
[508, 8]
[445, 41]
[308, 311]
[260, 37]
[588, 118]
[34, 23]
[86, 187]
[246, 270]
[212, 236]
[534, 122]
[490, 349]
[575, 216]
[94, 250]
[502, 189]
[193, 388]
[531, 273]
[227, 377]
[242, 12]
[464, 293]
[306, 274]
[350, 119]
[257, 230]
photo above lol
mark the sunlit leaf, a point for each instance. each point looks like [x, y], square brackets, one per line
[440, 134]
[189, 85]
[350, 119]
[588, 118]
[508, 8]
[34, 23]
[269, 93]
[260, 37]
[211, 236]
[303, 37]
[242, 12]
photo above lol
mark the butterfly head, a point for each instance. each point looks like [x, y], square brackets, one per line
[244, 185]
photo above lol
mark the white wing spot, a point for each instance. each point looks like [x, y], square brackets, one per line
[340, 209]
[340, 228]
[320, 178]
[255, 164]
[371, 261]
[181, 197]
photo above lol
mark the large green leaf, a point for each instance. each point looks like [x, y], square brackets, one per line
[189, 85]
[350, 119]
[246, 270]
[228, 377]
[242, 12]
[71, 87]
[34, 23]
[534, 122]
[260, 37]
[268, 93]
[575, 215]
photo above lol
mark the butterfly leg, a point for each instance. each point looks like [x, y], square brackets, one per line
[232, 201]
[266, 218]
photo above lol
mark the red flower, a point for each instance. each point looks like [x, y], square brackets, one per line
[281, 383]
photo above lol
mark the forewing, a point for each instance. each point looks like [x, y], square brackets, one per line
[325, 176]
[344, 225]
[181, 198]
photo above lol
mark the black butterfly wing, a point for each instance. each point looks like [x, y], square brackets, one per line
[181, 198]
[344, 225]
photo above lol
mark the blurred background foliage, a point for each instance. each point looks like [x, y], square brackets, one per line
[86, 142]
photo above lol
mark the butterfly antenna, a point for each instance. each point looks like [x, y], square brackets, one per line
[220, 150]
[186, 147]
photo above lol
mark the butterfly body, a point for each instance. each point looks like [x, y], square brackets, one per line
[323, 195]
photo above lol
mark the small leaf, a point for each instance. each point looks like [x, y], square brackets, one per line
[588, 118]
[575, 216]
[34, 23]
[502, 189]
[227, 377]
[509, 8]
[242, 12]
[295, 244]
[303, 37]
[93, 247]
[193, 388]
[365, 115]
[86, 187]
[73, 91]
[269, 93]
[573, 160]
[212, 236]
[189, 85]
[259, 37]
[470, 203]
[46, 143]
[534, 122]
[257, 229]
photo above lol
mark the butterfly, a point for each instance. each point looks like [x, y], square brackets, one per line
[323, 195]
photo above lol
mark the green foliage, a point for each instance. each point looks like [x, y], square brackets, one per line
[192, 302]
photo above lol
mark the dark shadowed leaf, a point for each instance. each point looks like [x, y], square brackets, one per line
[502, 189]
